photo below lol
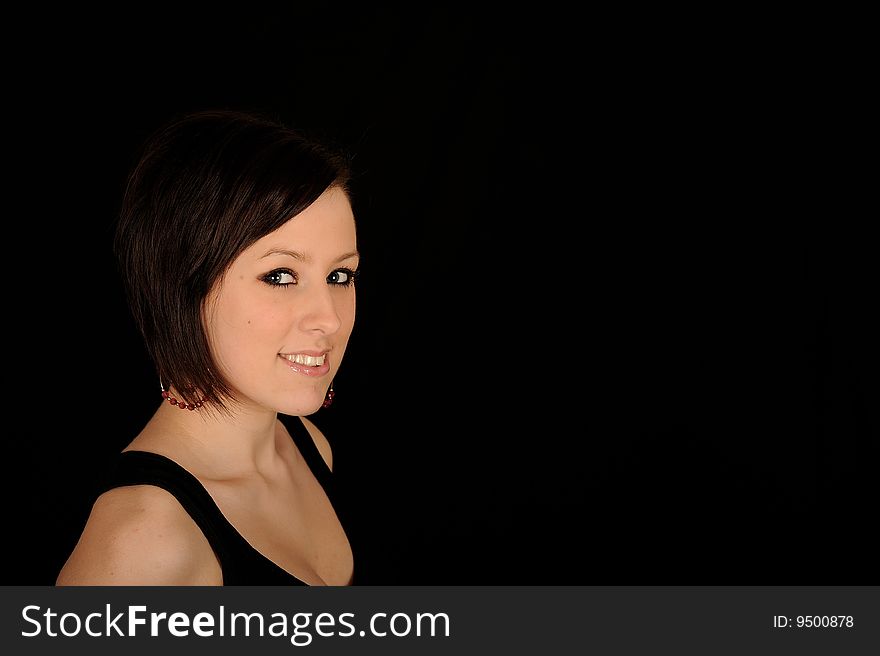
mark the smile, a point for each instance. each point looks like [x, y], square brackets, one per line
[306, 363]
[308, 360]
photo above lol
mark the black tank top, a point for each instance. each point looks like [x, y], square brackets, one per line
[241, 563]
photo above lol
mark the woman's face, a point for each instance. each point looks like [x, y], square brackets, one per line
[279, 321]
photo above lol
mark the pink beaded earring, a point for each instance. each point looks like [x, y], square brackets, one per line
[328, 400]
[180, 404]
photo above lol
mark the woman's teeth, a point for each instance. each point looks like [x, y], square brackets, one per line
[307, 360]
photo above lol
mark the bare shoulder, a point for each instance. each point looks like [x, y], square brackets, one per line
[140, 535]
[320, 442]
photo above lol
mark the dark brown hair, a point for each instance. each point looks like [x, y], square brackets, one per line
[207, 186]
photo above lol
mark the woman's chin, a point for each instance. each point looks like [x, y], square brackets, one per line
[301, 407]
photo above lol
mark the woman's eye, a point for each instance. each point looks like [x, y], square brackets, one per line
[341, 277]
[279, 278]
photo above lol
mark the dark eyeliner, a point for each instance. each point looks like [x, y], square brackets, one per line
[352, 276]
[267, 278]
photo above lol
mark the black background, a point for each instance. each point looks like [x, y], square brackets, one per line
[613, 324]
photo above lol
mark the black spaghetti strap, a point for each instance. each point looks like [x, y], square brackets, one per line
[309, 451]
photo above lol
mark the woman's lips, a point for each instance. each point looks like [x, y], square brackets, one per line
[307, 363]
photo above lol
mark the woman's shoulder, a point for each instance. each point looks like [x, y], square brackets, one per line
[140, 535]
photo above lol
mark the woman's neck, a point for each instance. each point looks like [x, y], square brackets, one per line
[220, 445]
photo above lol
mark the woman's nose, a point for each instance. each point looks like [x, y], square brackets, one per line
[319, 310]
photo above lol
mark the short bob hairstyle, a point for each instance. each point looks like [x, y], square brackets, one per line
[208, 185]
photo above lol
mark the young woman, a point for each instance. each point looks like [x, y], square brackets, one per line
[237, 247]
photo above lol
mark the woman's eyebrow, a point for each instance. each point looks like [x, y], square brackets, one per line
[303, 257]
